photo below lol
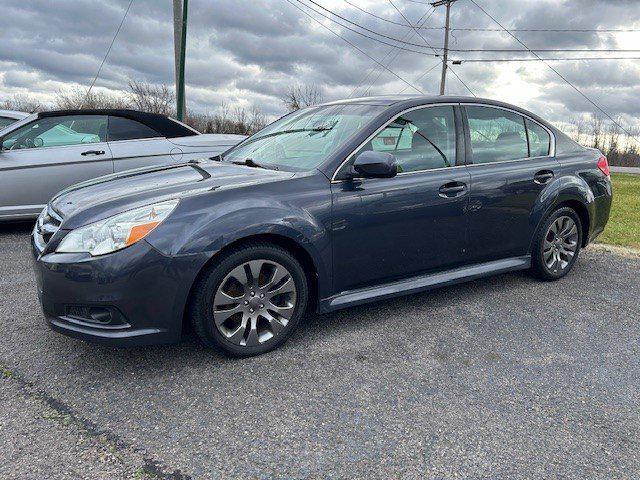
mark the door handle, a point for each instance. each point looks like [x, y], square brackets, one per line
[92, 152]
[452, 189]
[543, 176]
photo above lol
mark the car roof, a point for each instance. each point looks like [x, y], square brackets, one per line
[167, 127]
[401, 102]
[13, 114]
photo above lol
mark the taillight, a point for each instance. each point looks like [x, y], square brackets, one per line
[603, 165]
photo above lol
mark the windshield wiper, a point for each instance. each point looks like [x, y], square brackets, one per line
[248, 162]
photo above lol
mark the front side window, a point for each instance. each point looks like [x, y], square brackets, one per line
[496, 135]
[422, 139]
[58, 132]
[303, 140]
[125, 129]
[539, 140]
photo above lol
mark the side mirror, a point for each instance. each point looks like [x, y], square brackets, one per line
[371, 164]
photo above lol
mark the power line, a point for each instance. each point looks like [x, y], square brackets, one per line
[438, 49]
[421, 21]
[113, 40]
[604, 112]
[430, 69]
[352, 45]
[537, 59]
[389, 37]
[378, 16]
[479, 29]
[413, 26]
[556, 30]
[462, 82]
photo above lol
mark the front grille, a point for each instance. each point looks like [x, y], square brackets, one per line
[48, 223]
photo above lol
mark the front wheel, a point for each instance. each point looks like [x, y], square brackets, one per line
[557, 244]
[250, 300]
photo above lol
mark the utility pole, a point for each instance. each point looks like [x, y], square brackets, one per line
[180, 8]
[445, 53]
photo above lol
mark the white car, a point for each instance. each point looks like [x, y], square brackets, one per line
[46, 152]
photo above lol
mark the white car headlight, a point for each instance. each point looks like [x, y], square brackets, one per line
[117, 232]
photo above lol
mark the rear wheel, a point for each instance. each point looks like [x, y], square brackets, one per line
[557, 244]
[250, 301]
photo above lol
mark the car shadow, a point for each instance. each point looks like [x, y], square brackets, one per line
[16, 228]
[314, 331]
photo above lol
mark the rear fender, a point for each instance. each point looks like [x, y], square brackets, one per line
[567, 189]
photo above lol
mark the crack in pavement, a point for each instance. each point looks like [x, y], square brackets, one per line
[67, 416]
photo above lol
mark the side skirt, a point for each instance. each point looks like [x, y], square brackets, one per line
[422, 283]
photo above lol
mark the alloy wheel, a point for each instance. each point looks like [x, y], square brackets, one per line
[254, 302]
[560, 244]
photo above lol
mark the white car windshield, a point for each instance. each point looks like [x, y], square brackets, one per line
[301, 141]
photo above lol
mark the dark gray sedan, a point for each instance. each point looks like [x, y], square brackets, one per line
[47, 152]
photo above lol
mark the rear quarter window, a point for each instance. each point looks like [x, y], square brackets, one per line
[565, 145]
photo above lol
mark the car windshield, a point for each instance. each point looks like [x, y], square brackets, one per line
[302, 140]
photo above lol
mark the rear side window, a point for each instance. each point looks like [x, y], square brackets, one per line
[125, 129]
[496, 135]
[422, 139]
[5, 121]
[539, 140]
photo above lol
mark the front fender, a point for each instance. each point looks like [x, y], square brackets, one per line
[201, 228]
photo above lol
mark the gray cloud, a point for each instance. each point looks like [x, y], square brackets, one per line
[243, 52]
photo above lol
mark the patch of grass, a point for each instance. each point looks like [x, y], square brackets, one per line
[624, 223]
[5, 372]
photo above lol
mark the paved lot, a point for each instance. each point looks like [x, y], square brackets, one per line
[501, 378]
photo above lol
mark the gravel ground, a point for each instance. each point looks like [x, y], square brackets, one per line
[504, 377]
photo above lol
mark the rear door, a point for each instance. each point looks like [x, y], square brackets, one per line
[390, 228]
[512, 162]
[135, 145]
[51, 153]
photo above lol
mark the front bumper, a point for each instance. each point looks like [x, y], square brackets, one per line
[136, 296]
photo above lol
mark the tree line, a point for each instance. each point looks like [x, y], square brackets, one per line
[621, 148]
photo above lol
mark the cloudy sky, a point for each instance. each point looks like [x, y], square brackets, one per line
[249, 52]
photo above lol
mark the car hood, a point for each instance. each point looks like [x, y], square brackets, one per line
[109, 195]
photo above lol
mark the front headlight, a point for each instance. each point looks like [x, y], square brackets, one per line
[117, 232]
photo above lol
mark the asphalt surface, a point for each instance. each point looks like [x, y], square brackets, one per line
[504, 377]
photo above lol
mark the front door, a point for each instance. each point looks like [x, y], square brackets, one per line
[47, 155]
[386, 229]
[512, 163]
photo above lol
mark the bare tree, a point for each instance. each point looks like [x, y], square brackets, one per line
[597, 131]
[78, 97]
[151, 98]
[299, 96]
[23, 103]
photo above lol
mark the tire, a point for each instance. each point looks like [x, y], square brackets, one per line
[555, 236]
[242, 316]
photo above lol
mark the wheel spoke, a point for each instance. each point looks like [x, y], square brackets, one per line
[287, 287]
[240, 274]
[568, 253]
[275, 324]
[223, 298]
[252, 339]
[255, 266]
[279, 273]
[221, 316]
[285, 311]
[237, 336]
